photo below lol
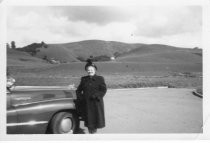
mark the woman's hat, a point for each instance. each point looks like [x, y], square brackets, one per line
[90, 63]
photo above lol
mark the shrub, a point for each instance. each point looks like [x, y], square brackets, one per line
[81, 59]
[101, 58]
[13, 46]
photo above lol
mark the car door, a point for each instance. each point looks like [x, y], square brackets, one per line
[11, 116]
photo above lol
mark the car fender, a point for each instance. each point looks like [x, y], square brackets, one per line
[35, 117]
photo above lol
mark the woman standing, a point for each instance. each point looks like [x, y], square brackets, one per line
[91, 91]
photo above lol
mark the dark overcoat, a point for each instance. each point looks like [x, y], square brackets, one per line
[90, 92]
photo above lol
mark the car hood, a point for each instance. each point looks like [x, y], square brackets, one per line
[41, 95]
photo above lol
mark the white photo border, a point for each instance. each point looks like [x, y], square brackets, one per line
[206, 72]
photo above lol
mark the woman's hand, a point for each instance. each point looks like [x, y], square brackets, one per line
[94, 97]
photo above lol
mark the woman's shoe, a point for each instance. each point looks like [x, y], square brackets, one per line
[92, 131]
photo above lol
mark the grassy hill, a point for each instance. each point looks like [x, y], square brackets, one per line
[162, 54]
[163, 57]
[19, 58]
[129, 57]
[136, 65]
[79, 51]
[123, 52]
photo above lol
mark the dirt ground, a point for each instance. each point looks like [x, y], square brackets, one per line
[132, 111]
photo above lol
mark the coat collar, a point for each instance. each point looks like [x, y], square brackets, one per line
[92, 77]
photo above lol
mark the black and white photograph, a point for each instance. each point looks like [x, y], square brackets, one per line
[108, 69]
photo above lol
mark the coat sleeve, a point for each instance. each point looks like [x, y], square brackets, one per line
[102, 88]
[79, 91]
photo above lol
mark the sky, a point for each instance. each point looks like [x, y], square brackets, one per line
[171, 25]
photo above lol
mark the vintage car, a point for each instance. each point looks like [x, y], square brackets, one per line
[41, 110]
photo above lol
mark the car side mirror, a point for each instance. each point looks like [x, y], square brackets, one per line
[10, 84]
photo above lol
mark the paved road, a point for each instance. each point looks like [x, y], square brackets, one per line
[152, 111]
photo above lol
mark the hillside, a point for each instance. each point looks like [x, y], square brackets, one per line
[162, 54]
[19, 58]
[97, 48]
[163, 57]
[104, 50]
[79, 51]
[135, 65]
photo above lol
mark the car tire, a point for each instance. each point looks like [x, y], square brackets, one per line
[63, 123]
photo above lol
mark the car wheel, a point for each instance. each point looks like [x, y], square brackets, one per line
[63, 123]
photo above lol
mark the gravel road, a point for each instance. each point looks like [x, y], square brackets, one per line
[152, 111]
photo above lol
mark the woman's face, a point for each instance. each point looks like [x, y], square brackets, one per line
[91, 71]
